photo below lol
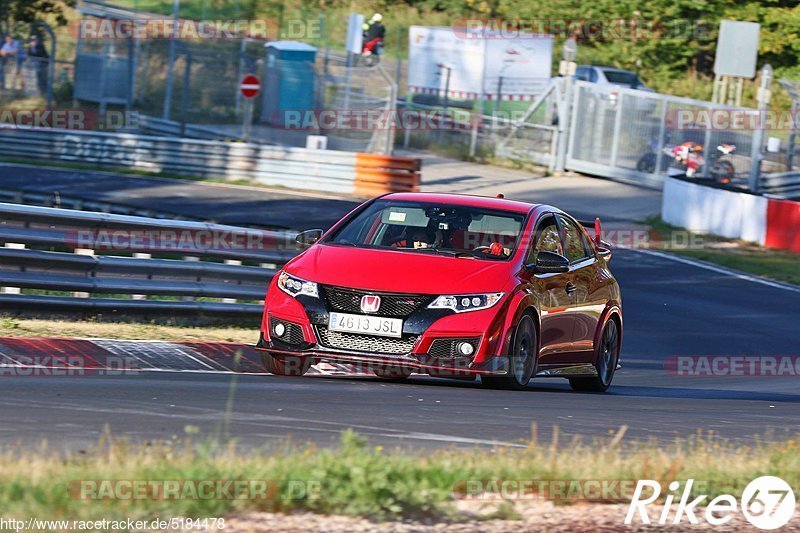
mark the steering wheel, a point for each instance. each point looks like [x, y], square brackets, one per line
[494, 249]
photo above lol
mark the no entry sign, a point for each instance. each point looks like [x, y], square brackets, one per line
[250, 86]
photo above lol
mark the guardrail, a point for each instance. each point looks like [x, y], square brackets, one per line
[781, 184]
[161, 127]
[127, 263]
[300, 168]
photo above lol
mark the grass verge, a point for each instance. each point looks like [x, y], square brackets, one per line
[357, 478]
[780, 265]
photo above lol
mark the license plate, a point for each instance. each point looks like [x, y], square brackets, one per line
[368, 325]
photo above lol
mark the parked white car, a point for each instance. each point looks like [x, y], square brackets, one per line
[610, 76]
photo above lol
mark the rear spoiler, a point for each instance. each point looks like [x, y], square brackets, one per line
[598, 232]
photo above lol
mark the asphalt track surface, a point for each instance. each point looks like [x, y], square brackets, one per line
[671, 308]
[226, 204]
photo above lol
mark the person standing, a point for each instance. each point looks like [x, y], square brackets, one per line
[11, 49]
[41, 62]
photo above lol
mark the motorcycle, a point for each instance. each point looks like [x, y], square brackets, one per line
[647, 163]
[371, 52]
[688, 156]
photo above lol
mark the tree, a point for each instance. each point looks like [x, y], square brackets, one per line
[22, 12]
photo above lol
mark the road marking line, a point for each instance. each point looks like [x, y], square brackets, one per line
[714, 268]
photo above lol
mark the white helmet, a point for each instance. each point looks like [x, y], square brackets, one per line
[377, 17]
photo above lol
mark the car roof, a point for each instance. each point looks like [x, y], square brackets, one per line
[607, 68]
[486, 202]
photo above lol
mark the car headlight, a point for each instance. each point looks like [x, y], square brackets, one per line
[295, 286]
[461, 303]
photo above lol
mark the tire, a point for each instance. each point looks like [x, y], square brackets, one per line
[605, 362]
[522, 359]
[723, 171]
[647, 163]
[288, 366]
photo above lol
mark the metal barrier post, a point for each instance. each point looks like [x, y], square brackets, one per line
[82, 251]
[141, 255]
[763, 97]
[171, 61]
[662, 132]
[617, 126]
[13, 290]
[235, 262]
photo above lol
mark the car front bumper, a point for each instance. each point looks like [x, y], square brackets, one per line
[419, 362]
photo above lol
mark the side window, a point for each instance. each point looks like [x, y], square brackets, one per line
[581, 74]
[574, 245]
[593, 75]
[546, 239]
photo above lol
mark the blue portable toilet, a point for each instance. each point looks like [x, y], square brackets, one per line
[290, 80]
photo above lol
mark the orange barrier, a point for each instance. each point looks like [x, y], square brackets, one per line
[378, 174]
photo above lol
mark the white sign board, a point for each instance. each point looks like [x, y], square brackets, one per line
[737, 49]
[355, 33]
[476, 64]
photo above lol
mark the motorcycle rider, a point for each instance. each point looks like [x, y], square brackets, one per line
[374, 32]
[690, 154]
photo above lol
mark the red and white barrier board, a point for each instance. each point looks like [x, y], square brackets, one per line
[735, 215]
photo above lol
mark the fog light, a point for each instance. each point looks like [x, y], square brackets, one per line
[279, 329]
[465, 348]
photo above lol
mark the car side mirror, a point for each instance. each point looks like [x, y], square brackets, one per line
[308, 237]
[548, 263]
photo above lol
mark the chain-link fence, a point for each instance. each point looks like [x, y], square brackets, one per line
[642, 136]
[516, 125]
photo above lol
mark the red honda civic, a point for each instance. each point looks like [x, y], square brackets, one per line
[449, 285]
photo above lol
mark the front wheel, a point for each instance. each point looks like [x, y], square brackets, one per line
[522, 359]
[605, 363]
[647, 163]
[287, 366]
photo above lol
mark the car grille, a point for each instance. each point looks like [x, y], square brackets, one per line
[293, 335]
[365, 343]
[448, 348]
[392, 305]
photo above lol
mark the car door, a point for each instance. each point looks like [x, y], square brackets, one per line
[556, 302]
[588, 304]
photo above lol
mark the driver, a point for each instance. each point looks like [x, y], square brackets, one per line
[422, 238]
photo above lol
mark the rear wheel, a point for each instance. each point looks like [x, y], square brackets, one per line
[723, 171]
[522, 359]
[605, 364]
[286, 366]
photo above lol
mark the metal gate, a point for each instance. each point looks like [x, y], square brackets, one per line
[627, 134]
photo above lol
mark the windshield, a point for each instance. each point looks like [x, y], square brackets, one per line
[423, 227]
[621, 77]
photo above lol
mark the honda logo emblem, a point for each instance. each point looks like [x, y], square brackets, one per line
[370, 303]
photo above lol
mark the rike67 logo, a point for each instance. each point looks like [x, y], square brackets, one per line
[768, 503]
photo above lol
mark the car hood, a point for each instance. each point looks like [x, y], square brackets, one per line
[395, 271]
